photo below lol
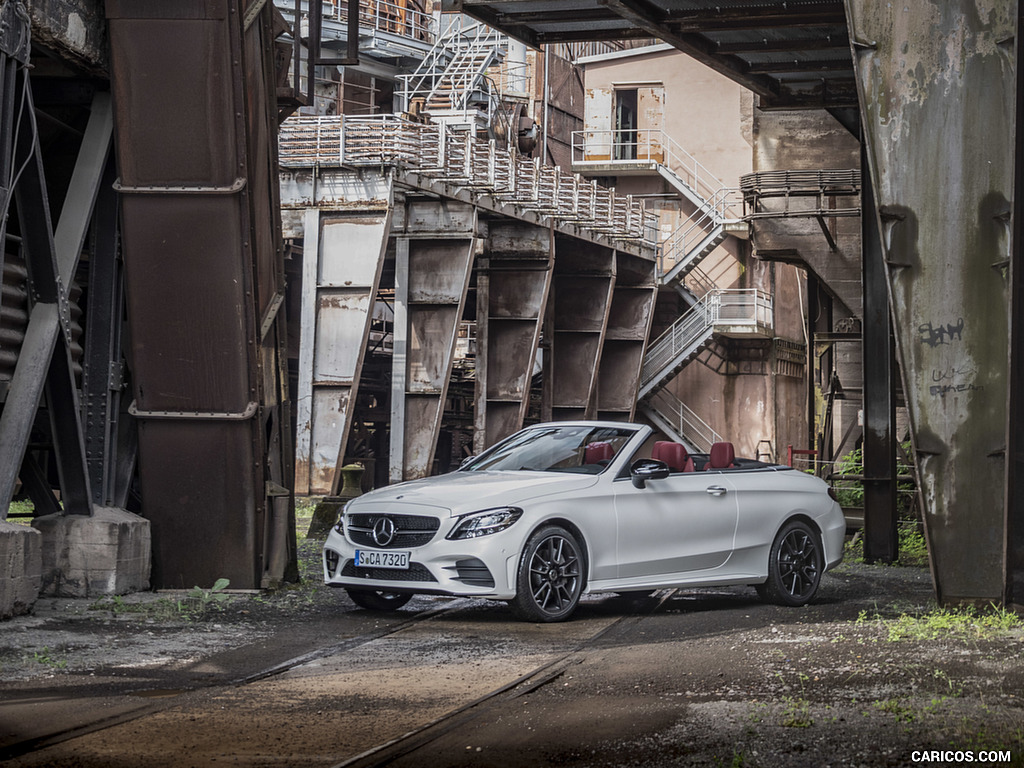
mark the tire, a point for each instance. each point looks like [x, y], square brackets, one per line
[795, 565]
[550, 578]
[378, 599]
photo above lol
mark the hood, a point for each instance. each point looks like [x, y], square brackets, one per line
[459, 493]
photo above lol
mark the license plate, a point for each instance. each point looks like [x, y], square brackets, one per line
[372, 558]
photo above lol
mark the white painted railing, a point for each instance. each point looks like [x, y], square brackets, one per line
[684, 421]
[645, 145]
[436, 151]
[734, 307]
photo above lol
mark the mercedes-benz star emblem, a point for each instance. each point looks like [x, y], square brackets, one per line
[383, 532]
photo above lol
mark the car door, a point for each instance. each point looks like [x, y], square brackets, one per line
[685, 522]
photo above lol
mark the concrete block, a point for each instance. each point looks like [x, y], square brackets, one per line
[21, 566]
[106, 554]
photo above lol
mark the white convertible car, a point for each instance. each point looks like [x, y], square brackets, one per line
[567, 508]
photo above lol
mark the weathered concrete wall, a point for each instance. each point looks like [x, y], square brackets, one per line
[703, 110]
[75, 30]
[20, 568]
[106, 554]
[814, 140]
[811, 140]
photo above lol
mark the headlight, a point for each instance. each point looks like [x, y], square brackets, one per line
[485, 523]
[339, 525]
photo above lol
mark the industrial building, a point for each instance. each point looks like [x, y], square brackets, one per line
[248, 243]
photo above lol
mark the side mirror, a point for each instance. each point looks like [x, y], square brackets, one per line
[642, 470]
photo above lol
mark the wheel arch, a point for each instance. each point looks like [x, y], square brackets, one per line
[574, 529]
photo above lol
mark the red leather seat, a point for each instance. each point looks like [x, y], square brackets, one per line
[721, 456]
[673, 454]
[595, 453]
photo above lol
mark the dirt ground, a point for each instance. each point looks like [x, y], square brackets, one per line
[870, 674]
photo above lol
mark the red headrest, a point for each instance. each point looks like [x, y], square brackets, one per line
[721, 456]
[673, 454]
[595, 452]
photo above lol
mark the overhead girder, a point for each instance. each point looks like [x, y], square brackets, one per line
[936, 84]
[730, 40]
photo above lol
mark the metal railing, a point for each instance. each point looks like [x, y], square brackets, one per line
[684, 421]
[435, 151]
[736, 307]
[721, 207]
[650, 145]
[399, 17]
[455, 66]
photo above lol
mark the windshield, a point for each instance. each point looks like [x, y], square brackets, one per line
[582, 449]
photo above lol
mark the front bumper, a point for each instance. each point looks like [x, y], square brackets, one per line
[481, 567]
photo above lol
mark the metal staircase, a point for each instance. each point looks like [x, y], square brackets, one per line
[451, 81]
[720, 311]
[718, 214]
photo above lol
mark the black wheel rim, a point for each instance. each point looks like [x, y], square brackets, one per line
[555, 574]
[798, 563]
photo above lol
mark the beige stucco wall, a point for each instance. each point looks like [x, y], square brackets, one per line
[714, 120]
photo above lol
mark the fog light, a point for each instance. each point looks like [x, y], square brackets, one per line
[331, 559]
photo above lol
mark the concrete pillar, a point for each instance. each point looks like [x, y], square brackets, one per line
[106, 554]
[20, 568]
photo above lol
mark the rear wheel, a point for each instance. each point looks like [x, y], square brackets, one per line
[795, 565]
[550, 578]
[378, 599]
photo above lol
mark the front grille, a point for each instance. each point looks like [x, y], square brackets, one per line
[472, 573]
[415, 572]
[410, 530]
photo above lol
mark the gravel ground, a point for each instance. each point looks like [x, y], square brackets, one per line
[867, 675]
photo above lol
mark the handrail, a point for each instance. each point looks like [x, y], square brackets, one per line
[437, 151]
[451, 62]
[685, 421]
[719, 210]
[399, 18]
[735, 306]
[645, 144]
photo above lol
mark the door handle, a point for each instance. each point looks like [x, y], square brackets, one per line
[716, 490]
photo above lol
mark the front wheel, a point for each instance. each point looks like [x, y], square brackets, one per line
[795, 565]
[550, 578]
[378, 599]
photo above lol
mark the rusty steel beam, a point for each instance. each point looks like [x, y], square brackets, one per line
[512, 283]
[196, 117]
[433, 264]
[881, 540]
[1015, 421]
[578, 316]
[938, 125]
[629, 322]
[51, 254]
[343, 255]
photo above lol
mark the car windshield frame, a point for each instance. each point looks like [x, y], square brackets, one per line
[560, 447]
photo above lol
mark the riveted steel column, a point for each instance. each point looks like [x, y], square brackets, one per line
[513, 283]
[881, 541]
[936, 84]
[1015, 422]
[196, 116]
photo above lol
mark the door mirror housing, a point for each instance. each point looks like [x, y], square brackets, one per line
[642, 470]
